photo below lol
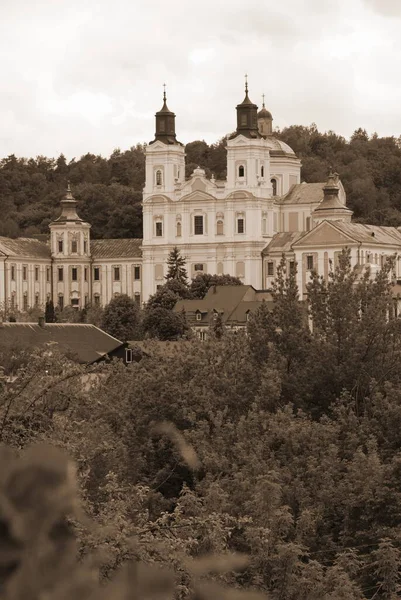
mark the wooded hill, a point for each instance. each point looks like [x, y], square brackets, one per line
[110, 189]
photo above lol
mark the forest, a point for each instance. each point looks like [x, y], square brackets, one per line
[109, 189]
[254, 465]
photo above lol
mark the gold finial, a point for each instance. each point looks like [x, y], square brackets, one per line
[263, 100]
[164, 92]
[246, 83]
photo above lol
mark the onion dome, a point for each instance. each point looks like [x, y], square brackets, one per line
[247, 117]
[265, 120]
[165, 124]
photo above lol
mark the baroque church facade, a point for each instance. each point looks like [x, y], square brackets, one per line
[240, 226]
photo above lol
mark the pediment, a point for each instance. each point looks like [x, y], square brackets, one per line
[157, 199]
[199, 185]
[240, 195]
[197, 195]
[239, 140]
[157, 145]
[325, 234]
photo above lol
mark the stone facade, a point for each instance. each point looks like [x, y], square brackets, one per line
[240, 226]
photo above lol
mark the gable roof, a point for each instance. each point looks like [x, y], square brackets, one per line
[303, 193]
[231, 301]
[24, 247]
[282, 242]
[87, 342]
[120, 248]
[371, 234]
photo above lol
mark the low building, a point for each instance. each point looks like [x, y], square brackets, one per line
[234, 304]
[84, 343]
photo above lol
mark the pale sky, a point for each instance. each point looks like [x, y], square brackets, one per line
[87, 75]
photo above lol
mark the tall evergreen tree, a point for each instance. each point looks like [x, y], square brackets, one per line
[50, 315]
[176, 267]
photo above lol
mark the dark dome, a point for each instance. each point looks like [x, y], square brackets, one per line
[264, 114]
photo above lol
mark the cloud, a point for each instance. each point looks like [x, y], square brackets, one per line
[88, 76]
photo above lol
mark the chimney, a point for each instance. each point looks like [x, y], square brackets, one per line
[41, 321]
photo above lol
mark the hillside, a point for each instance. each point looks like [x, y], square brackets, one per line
[110, 189]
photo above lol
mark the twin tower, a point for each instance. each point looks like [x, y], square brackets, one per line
[219, 226]
[250, 150]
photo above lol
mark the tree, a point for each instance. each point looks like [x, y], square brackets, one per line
[202, 282]
[217, 326]
[163, 324]
[50, 315]
[121, 318]
[176, 267]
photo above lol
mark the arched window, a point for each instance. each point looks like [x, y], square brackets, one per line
[240, 269]
[262, 171]
[159, 178]
[241, 171]
[220, 227]
[274, 186]
[178, 229]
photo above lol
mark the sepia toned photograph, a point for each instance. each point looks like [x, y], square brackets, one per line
[200, 300]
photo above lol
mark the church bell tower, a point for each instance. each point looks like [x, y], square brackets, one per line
[165, 156]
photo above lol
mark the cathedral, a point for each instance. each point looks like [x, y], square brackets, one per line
[240, 226]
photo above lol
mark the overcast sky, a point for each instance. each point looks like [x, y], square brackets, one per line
[86, 75]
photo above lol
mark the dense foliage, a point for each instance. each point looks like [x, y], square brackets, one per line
[120, 318]
[110, 189]
[284, 445]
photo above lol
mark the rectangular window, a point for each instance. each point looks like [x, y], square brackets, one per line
[25, 302]
[292, 267]
[60, 274]
[128, 355]
[24, 273]
[36, 300]
[86, 273]
[159, 229]
[270, 269]
[198, 316]
[60, 245]
[36, 273]
[75, 302]
[198, 267]
[85, 246]
[116, 273]
[240, 226]
[86, 301]
[74, 274]
[96, 274]
[137, 273]
[13, 273]
[97, 300]
[198, 225]
[137, 299]
[61, 302]
[74, 246]
[309, 263]
[48, 274]
[203, 336]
